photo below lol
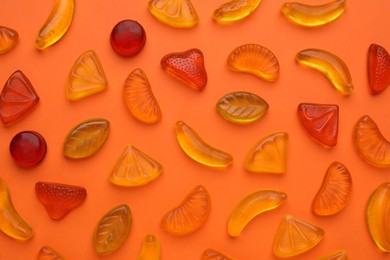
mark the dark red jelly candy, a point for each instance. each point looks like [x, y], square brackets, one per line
[28, 148]
[128, 38]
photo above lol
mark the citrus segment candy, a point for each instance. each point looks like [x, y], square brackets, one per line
[112, 230]
[8, 39]
[56, 25]
[150, 248]
[190, 214]
[335, 191]
[135, 168]
[176, 13]
[86, 138]
[269, 155]
[139, 98]
[11, 223]
[86, 77]
[378, 65]
[295, 237]
[242, 107]
[235, 10]
[187, 66]
[313, 15]
[252, 205]
[212, 254]
[128, 38]
[256, 60]
[28, 148]
[48, 253]
[330, 65]
[17, 98]
[370, 144]
[339, 255]
[198, 150]
[321, 121]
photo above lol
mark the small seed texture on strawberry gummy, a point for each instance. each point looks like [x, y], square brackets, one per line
[378, 68]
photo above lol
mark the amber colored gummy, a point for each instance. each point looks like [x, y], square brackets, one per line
[48, 253]
[235, 10]
[150, 248]
[28, 148]
[212, 254]
[127, 38]
[8, 39]
[339, 255]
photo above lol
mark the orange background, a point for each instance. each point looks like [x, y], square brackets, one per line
[363, 23]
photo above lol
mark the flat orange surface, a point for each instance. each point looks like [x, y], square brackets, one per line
[363, 23]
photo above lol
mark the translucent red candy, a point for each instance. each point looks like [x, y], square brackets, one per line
[128, 38]
[28, 148]
[378, 68]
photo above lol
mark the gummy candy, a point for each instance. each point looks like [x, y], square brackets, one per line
[59, 199]
[378, 68]
[199, 150]
[176, 13]
[28, 148]
[86, 77]
[10, 222]
[242, 107]
[335, 191]
[134, 168]
[252, 205]
[187, 66]
[8, 39]
[150, 248]
[128, 38]
[212, 254]
[139, 98]
[312, 16]
[256, 60]
[321, 121]
[330, 65]
[112, 230]
[48, 253]
[190, 215]
[17, 99]
[56, 25]
[377, 216]
[86, 138]
[235, 10]
[370, 144]
[295, 237]
[339, 255]
[269, 155]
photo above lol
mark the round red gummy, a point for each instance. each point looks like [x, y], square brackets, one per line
[28, 148]
[128, 38]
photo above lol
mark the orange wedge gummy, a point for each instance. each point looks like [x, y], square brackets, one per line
[212, 254]
[8, 39]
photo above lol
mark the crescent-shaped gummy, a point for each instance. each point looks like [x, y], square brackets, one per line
[251, 206]
[198, 150]
[56, 25]
[150, 248]
[330, 65]
[339, 255]
[312, 16]
[377, 216]
[212, 254]
[235, 10]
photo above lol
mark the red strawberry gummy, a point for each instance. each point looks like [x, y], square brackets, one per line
[59, 199]
[186, 66]
[378, 68]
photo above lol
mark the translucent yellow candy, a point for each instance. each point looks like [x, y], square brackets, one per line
[339, 255]
[311, 16]
[56, 24]
[150, 248]
[235, 10]
[48, 253]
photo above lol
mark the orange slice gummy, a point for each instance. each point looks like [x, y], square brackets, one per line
[335, 191]
[256, 60]
[139, 98]
[8, 39]
[295, 237]
[190, 215]
[370, 144]
[235, 10]
[339, 255]
[48, 253]
[86, 77]
[269, 155]
[150, 248]
[176, 13]
[212, 254]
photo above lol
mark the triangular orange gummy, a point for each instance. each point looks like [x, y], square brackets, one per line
[8, 39]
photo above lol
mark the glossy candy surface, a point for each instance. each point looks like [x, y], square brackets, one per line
[197, 149]
[321, 121]
[48, 253]
[86, 138]
[313, 15]
[335, 191]
[150, 248]
[135, 168]
[269, 155]
[56, 25]
[28, 148]
[256, 60]
[251, 206]
[242, 107]
[212, 254]
[8, 39]
[330, 65]
[190, 214]
[370, 144]
[295, 237]
[378, 66]
[235, 10]
[112, 230]
[86, 77]
[339, 255]
[128, 38]
[11, 223]
[17, 98]
[139, 98]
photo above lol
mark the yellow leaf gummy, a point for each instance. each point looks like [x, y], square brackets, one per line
[339, 255]
[150, 248]
[48, 253]
[235, 10]
[212, 254]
